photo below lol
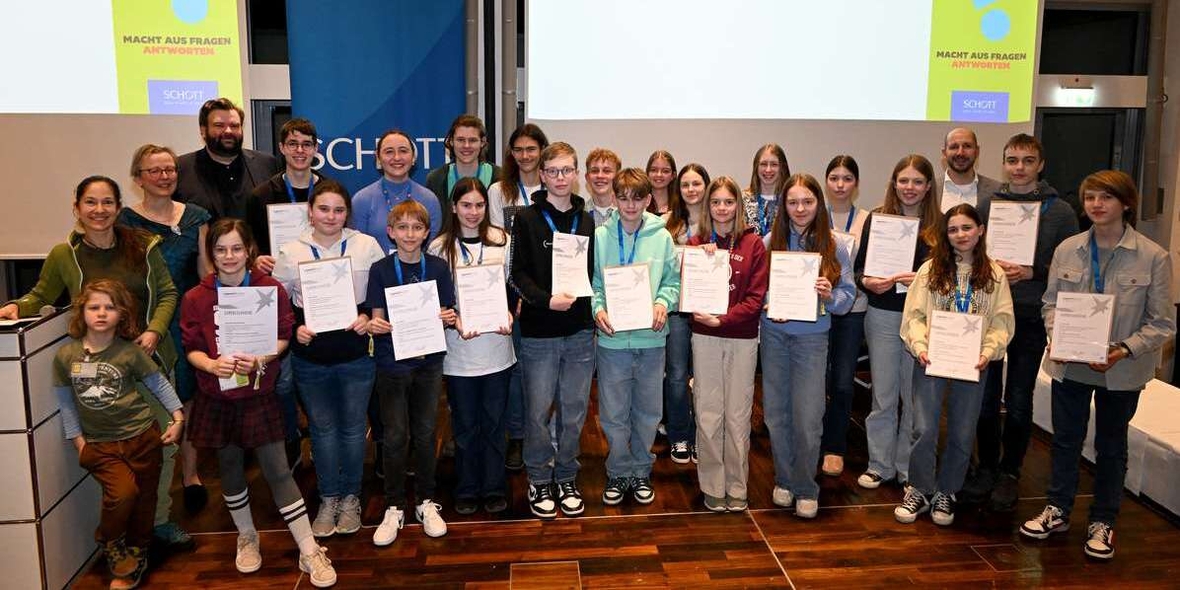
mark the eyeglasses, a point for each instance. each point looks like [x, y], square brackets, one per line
[559, 172]
[223, 252]
[296, 146]
[158, 172]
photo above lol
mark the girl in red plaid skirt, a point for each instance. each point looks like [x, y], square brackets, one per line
[236, 407]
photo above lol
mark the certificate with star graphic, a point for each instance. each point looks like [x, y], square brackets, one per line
[482, 298]
[286, 222]
[1081, 327]
[413, 316]
[792, 293]
[892, 242]
[628, 296]
[571, 260]
[328, 293]
[247, 320]
[1012, 231]
[704, 281]
[954, 344]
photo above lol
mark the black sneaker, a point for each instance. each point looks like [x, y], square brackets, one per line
[642, 491]
[1051, 520]
[541, 501]
[681, 453]
[942, 510]
[466, 506]
[1100, 545]
[569, 499]
[870, 480]
[514, 458]
[914, 504]
[1006, 493]
[696, 459]
[616, 489]
[495, 504]
[978, 487]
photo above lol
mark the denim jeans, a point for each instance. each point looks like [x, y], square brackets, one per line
[1024, 362]
[336, 398]
[477, 420]
[557, 374]
[892, 368]
[285, 390]
[1113, 410]
[514, 414]
[962, 411]
[844, 340]
[793, 367]
[409, 408]
[677, 367]
[629, 383]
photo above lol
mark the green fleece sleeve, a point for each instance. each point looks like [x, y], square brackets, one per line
[49, 285]
[165, 292]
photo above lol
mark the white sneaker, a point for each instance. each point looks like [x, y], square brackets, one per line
[318, 568]
[393, 522]
[432, 522]
[806, 507]
[783, 497]
[249, 558]
[324, 524]
[348, 517]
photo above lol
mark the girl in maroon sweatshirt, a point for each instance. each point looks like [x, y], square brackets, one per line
[725, 351]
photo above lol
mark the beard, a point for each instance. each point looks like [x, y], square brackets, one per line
[219, 147]
[962, 167]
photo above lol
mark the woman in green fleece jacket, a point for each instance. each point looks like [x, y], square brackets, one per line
[630, 358]
[98, 249]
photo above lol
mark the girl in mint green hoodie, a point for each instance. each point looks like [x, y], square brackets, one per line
[630, 361]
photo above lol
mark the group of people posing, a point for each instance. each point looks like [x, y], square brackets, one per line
[145, 369]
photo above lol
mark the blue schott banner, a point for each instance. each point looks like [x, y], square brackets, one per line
[364, 66]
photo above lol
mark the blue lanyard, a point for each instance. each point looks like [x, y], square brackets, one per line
[1045, 205]
[397, 267]
[316, 251]
[524, 192]
[716, 240]
[634, 244]
[466, 255]
[963, 300]
[553, 228]
[847, 224]
[386, 189]
[1095, 268]
[291, 190]
[245, 281]
[763, 212]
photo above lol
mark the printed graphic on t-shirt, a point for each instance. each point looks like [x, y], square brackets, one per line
[99, 391]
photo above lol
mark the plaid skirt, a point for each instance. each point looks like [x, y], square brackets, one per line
[247, 422]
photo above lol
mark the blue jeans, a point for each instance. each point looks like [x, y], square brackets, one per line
[844, 340]
[409, 409]
[962, 412]
[678, 366]
[892, 367]
[514, 416]
[557, 374]
[285, 390]
[1024, 362]
[793, 368]
[336, 398]
[477, 421]
[629, 407]
[1113, 410]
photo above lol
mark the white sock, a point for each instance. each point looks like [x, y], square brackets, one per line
[295, 515]
[239, 510]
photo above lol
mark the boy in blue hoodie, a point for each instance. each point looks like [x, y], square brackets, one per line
[630, 363]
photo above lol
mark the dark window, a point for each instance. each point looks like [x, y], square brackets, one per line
[1094, 42]
[268, 31]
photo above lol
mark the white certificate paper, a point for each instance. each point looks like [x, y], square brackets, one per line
[329, 298]
[704, 282]
[1081, 327]
[247, 321]
[792, 293]
[1012, 231]
[483, 300]
[286, 222]
[892, 243]
[413, 314]
[571, 264]
[628, 297]
[954, 344]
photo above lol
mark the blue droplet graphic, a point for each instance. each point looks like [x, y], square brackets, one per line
[995, 25]
[190, 11]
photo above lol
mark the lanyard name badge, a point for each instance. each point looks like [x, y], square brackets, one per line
[963, 299]
[245, 281]
[847, 224]
[397, 268]
[764, 214]
[1095, 267]
[291, 189]
[634, 244]
[343, 248]
[553, 228]
[467, 254]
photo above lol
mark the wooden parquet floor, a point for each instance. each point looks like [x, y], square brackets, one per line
[674, 542]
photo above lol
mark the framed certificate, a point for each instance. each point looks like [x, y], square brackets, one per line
[329, 296]
[628, 297]
[954, 344]
[1012, 231]
[482, 298]
[1081, 327]
[704, 281]
[792, 293]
